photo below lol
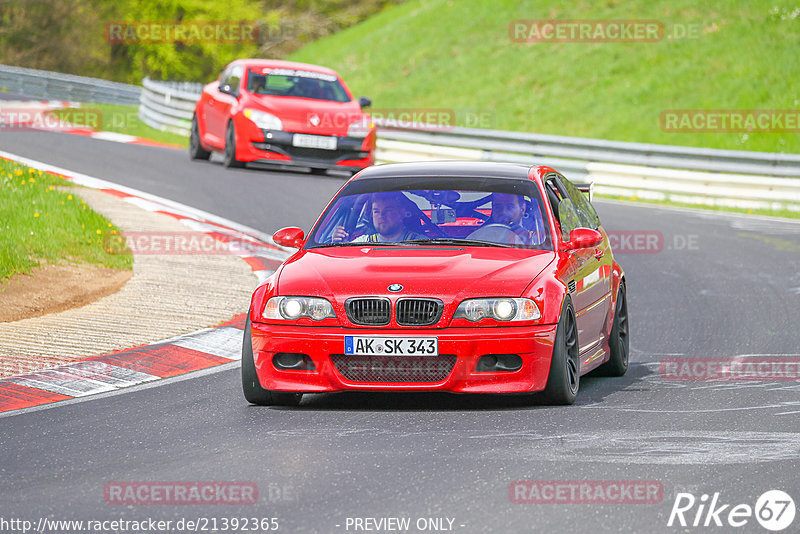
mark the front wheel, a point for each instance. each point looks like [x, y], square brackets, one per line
[196, 150]
[229, 159]
[618, 341]
[251, 387]
[565, 376]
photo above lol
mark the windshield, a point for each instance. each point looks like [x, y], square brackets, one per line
[477, 212]
[296, 83]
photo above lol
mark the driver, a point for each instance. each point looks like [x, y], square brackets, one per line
[388, 218]
[258, 84]
[509, 210]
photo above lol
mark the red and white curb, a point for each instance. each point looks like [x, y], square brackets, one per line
[203, 349]
[34, 115]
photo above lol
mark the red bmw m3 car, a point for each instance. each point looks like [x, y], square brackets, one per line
[285, 113]
[462, 277]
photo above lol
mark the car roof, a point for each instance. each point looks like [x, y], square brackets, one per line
[486, 169]
[276, 63]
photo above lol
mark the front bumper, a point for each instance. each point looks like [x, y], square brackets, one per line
[276, 147]
[534, 344]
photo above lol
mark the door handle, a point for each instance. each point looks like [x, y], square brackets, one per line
[598, 253]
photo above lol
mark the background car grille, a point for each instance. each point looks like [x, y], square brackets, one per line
[394, 368]
[418, 312]
[368, 311]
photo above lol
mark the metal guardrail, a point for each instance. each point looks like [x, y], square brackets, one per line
[500, 145]
[58, 86]
[169, 106]
[752, 180]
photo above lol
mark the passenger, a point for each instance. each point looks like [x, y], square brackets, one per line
[388, 218]
[509, 210]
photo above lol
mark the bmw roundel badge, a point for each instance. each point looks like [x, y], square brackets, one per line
[394, 288]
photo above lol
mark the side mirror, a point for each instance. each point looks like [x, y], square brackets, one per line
[291, 236]
[226, 88]
[364, 102]
[583, 238]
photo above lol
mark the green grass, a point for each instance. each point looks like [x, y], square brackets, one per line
[41, 223]
[459, 55]
[119, 119]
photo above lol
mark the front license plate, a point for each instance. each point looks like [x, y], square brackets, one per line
[314, 141]
[391, 346]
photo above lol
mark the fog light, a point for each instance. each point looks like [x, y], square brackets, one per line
[499, 363]
[289, 361]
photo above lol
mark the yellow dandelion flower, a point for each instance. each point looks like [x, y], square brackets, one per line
[69, 197]
[31, 180]
[99, 231]
[113, 232]
[109, 225]
[36, 214]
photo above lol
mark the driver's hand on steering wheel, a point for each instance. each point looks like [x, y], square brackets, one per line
[339, 235]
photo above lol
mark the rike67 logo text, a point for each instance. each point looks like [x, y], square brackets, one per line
[774, 510]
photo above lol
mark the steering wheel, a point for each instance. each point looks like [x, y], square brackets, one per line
[496, 233]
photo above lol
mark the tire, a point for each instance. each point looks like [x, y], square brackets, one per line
[196, 150]
[252, 389]
[564, 378]
[618, 341]
[230, 161]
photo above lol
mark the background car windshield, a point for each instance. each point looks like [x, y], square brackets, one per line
[308, 85]
[505, 216]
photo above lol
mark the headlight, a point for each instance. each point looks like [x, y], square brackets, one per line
[360, 129]
[501, 309]
[265, 121]
[291, 308]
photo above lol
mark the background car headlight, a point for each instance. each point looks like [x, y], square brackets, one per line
[501, 309]
[290, 308]
[265, 121]
[360, 129]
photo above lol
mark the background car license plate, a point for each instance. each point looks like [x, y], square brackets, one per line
[314, 141]
[393, 346]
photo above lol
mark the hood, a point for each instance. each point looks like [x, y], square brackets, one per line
[300, 114]
[445, 273]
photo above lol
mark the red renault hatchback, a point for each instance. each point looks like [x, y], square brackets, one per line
[285, 113]
[442, 276]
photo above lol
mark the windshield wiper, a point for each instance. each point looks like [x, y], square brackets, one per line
[453, 241]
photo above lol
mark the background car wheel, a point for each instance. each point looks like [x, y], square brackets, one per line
[196, 150]
[251, 388]
[230, 160]
[564, 378]
[618, 341]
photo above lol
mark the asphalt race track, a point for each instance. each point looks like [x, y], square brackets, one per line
[718, 286]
